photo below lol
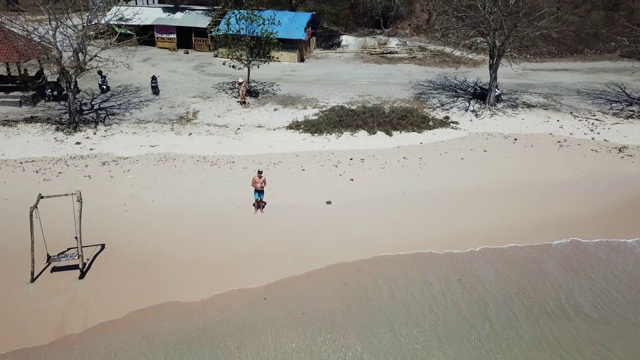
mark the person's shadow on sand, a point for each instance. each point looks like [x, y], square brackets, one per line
[264, 205]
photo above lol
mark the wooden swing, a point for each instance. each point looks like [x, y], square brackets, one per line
[64, 255]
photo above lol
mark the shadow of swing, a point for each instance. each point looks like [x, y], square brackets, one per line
[97, 250]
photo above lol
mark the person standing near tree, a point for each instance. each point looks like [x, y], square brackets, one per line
[242, 91]
[258, 183]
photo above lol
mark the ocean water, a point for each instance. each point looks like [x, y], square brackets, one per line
[571, 299]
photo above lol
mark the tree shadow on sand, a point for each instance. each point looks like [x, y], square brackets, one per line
[257, 89]
[614, 99]
[448, 92]
[107, 109]
[94, 108]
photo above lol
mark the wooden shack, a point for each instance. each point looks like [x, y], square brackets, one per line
[171, 28]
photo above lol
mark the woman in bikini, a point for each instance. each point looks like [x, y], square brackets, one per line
[242, 91]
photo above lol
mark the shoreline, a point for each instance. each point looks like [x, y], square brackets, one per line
[311, 313]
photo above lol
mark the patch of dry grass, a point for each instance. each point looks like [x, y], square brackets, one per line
[292, 101]
[341, 119]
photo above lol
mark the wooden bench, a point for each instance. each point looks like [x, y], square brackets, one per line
[16, 96]
[11, 88]
[12, 102]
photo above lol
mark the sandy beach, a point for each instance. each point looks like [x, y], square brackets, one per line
[188, 271]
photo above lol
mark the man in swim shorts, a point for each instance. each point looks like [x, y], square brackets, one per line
[258, 184]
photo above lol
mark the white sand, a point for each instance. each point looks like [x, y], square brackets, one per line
[172, 201]
[222, 128]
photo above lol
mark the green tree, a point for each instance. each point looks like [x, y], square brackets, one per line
[248, 38]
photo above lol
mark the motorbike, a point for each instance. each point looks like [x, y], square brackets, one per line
[155, 88]
[54, 91]
[103, 83]
[481, 92]
[48, 93]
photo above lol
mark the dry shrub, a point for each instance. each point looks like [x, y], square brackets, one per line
[341, 119]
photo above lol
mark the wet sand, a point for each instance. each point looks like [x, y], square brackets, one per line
[569, 300]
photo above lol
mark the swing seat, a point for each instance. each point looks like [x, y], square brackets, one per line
[62, 257]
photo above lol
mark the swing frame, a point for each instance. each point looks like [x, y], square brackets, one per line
[76, 197]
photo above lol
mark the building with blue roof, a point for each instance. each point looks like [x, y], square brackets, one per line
[294, 30]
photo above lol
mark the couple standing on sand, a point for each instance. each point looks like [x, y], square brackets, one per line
[258, 184]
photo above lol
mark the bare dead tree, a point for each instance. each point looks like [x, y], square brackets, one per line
[616, 99]
[495, 26]
[77, 32]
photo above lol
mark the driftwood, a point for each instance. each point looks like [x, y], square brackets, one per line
[385, 52]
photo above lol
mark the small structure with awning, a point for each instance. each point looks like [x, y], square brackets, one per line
[294, 30]
[170, 27]
[18, 49]
[125, 35]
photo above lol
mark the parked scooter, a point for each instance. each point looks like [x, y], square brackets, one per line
[481, 92]
[54, 91]
[48, 93]
[103, 83]
[155, 88]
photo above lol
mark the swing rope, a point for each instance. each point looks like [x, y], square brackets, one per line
[42, 231]
[75, 221]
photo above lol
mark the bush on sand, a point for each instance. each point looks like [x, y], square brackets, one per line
[341, 119]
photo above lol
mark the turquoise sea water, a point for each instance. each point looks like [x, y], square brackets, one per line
[571, 299]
